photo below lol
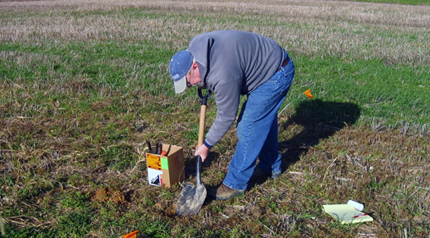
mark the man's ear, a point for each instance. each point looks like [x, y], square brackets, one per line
[195, 65]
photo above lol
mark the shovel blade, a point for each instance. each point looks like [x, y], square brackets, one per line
[191, 200]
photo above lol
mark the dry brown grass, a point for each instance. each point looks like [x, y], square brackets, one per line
[332, 27]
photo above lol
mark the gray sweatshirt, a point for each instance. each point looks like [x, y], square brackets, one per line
[233, 63]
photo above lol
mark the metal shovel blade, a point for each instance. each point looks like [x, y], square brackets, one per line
[192, 197]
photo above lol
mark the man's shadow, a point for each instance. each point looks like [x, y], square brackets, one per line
[320, 120]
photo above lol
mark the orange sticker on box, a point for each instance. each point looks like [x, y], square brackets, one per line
[154, 161]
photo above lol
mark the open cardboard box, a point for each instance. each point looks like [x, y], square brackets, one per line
[165, 171]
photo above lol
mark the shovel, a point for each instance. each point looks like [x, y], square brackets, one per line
[193, 197]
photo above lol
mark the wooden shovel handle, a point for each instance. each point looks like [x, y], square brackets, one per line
[202, 125]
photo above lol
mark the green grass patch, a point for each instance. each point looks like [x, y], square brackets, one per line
[392, 94]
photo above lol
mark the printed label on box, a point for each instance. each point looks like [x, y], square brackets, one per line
[154, 161]
[154, 177]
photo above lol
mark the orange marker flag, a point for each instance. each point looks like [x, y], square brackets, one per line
[130, 235]
[308, 93]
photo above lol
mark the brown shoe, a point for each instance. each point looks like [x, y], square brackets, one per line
[224, 193]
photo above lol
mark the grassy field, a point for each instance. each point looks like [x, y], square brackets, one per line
[84, 83]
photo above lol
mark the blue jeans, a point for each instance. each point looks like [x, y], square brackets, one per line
[257, 130]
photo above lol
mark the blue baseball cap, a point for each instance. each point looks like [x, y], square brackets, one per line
[179, 66]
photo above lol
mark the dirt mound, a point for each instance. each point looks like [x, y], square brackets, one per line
[109, 195]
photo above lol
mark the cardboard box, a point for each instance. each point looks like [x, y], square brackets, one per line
[165, 171]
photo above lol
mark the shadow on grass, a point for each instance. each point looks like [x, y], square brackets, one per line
[191, 164]
[319, 120]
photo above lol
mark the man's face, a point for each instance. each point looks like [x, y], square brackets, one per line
[193, 76]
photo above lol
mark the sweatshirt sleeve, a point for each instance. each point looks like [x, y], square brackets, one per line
[227, 96]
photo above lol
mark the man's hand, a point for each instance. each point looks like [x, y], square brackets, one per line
[203, 151]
